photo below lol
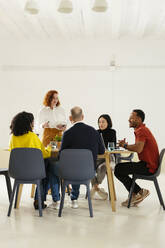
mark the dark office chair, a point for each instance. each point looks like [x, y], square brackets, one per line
[76, 167]
[150, 178]
[26, 166]
[4, 171]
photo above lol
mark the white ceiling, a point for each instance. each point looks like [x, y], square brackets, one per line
[125, 19]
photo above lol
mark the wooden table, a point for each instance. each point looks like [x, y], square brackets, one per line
[111, 186]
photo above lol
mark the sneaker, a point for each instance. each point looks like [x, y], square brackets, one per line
[101, 192]
[92, 192]
[55, 205]
[143, 195]
[74, 204]
[125, 203]
[136, 199]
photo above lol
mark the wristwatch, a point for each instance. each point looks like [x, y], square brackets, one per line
[125, 146]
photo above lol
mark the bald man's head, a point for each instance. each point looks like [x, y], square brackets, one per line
[76, 114]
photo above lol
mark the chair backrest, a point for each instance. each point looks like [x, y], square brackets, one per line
[160, 162]
[26, 164]
[76, 164]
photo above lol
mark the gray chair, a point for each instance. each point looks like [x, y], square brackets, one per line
[119, 158]
[4, 171]
[76, 166]
[26, 166]
[149, 178]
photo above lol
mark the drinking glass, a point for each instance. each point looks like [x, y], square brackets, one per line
[53, 145]
[111, 146]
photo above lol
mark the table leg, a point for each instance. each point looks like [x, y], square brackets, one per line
[19, 195]
[111, 187]
[33, 190]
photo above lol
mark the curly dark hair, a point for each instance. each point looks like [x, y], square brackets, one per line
[22, 123]
[107, 118]
[48, 98]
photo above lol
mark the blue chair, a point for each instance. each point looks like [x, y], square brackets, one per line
[149, 178]
[76, 166]
[26, 166]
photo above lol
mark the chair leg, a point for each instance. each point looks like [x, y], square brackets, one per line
[61, 184]
[89, 201]
[159, 193]
[86, 195]
[39, 198]
[11, 199]
[62, 200]
[130, 193]
[8, 183]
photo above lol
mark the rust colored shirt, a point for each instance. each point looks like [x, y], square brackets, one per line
[150, 153]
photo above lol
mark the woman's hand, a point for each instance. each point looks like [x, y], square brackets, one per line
[46, 125]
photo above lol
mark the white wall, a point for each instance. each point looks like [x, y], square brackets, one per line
[137, 83]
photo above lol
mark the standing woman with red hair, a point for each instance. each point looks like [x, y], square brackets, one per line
[51, 118]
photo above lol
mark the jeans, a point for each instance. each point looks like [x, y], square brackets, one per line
[51, 180]
[122, 170]
[75, 191]
[54, 180]
[55, 186]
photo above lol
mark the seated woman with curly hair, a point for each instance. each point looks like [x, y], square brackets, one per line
[23, 136]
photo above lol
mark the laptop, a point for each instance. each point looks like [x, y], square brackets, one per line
[103, 141]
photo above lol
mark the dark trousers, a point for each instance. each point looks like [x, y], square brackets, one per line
[44, 183]
[51, 181]
[123, 170]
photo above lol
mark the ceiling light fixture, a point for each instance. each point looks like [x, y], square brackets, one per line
[32, 7]
[65, 6]
[100, 6]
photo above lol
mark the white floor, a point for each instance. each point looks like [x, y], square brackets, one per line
[138, 227]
